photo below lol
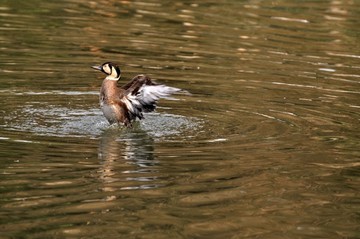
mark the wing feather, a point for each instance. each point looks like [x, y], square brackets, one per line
[142, 95]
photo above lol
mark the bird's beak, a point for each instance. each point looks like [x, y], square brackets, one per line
[96, 68]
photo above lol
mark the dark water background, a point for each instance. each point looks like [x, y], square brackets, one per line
[267, 145]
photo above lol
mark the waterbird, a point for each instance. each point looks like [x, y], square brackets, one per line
[122, 105]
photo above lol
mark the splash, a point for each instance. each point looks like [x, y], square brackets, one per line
[64, 121]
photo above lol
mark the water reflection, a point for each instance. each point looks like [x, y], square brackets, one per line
[275, 86]
[127, 160]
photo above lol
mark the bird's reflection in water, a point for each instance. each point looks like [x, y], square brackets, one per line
[127, 160]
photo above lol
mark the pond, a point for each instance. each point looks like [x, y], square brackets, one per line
[266, 145]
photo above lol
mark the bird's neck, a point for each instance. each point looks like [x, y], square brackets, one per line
[109, 88]
[112, 78]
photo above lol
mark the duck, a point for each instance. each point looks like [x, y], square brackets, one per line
[123, 105]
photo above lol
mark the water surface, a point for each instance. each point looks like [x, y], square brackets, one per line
[266, 145]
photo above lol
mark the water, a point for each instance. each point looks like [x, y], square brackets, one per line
[266, 145]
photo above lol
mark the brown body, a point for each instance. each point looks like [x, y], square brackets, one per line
[110, 102]
[112, 99]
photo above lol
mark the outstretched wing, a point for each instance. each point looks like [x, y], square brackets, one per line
[141, 95]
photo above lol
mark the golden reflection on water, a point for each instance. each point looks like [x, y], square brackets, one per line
[275, 87]
[125, 160]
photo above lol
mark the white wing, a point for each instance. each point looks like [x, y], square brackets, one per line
[146, 97]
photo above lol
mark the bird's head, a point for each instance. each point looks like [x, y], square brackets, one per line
[110, 69]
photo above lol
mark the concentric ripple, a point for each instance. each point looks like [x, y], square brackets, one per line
[40, 119]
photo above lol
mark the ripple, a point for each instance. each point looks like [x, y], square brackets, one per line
[277, 86]
[53, 92]
[83, 123]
